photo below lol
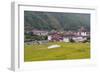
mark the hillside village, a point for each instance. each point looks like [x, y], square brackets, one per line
[81, 35]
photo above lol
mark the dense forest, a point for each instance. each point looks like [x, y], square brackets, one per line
[55, 21]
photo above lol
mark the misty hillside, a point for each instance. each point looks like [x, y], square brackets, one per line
[55, 21]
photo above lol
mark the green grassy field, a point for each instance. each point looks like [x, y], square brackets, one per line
[66, 51]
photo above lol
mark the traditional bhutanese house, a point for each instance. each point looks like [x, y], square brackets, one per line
[55, 36]
[79, 38]
[81, 35]
[67, 36]
[82, 32]
[66, 39]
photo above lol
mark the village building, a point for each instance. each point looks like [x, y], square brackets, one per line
[66, 39]
[55, 36]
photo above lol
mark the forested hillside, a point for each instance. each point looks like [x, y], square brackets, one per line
[55, 21]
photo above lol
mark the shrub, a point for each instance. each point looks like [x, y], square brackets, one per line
[71, 40]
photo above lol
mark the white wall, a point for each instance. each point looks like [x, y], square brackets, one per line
[5, 27]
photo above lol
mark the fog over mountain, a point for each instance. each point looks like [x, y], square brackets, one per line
[55, 21]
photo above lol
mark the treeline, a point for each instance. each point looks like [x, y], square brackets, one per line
[32, 37]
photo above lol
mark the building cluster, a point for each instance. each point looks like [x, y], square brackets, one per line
[64, 36]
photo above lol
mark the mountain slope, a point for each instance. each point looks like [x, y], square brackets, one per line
[55, 21]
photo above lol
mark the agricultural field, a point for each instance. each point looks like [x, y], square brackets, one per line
[66, 51]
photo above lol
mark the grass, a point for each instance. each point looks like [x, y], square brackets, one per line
[66, 51]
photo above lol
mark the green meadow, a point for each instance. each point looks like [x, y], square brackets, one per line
[67, 51]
